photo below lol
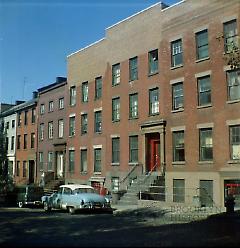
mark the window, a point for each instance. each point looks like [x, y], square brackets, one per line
[178, 190]
[133, 106]
[133, 149]
[25, 117]
[178, 146]
[85, 92]
[33, 115]
[204, 91]
[133, 69]
[25, 141]
[12, 143]
[41, 133]
[233, 79]
[50, 106]
[42, 109]
[61, 103]
[40, 160]
[153, 62]
[177, 91]
[19, 119]
[18, 169]
[50, 130]
[24, 168]
[7, 125]
[13, 123]
[73, 96]
[32, 140]
[235, 142]
[60, 128]
[71, 126]
[177, 54]
[98, 121]
[206, 193]
[84, 160]
[116, 109]
[84, 123]
[116, 150]
[98, 88]
[71, 160]
[50, 161]
[97, 159]
[18, 141]
[115, 74]
[153, 101]
[7, 143]
[230, 35]
[202, 44]
[115, 184]
[206, 144]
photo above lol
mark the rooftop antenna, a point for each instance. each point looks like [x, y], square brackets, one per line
[24, 84]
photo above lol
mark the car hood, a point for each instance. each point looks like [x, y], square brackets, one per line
[91, 197]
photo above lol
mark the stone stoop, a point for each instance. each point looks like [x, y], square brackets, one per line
[141, 183]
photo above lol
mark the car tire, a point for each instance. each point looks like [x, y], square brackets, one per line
[46, 207]
[20, 204]
[71, 210]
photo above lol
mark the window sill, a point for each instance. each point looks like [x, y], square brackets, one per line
[207, 162]
[132, 163]
[133, 80]
[177, 110]
[204, 106]
[114, 85]
[201, 60]
[237, 161]
[149, 115]
[73, 105]
[83, 134]
[233, 101]
[133, 118]
[97, 173]
[178, 163]
[98, 132]
[83, 173]
[71, 136]
[115, 164]
[152, 74]
[176, 67]
[115, 121]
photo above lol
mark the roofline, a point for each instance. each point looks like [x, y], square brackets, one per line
[50, 87]
[173, 5]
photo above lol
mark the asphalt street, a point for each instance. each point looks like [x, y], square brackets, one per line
[131, 227]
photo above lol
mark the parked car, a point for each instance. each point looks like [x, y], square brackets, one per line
[27, 195]
[73, 197]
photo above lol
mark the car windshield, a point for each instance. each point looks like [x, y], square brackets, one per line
[82, 190]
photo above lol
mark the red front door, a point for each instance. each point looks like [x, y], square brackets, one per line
[153, 152]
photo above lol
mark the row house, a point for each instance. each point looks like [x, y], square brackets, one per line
[156, 96]
[51, 130]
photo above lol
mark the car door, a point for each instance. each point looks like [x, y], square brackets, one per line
[57, 199]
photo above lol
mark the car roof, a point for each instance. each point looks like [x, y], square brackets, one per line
[76, 186]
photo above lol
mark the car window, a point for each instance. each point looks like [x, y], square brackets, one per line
[67, 191]
[81, 190]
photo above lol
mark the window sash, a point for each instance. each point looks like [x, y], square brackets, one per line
[133, 69]
[71, 161]
[60, 128]
[178, 146]
[154, 101]
[133, 106]
[235, 142]
[50, 161]
[177, 57]
[72, 126]
[153, 62]
[133, 149]
[178, 190]
[85, 92]
[204, 91]
[84, 124]
[115, 150]
[97, 160]
[230, 35]
[73, 96]
[202, 44]
[50, 130]
[116, 74]
[116, 109]
[83, 160]
[178, 96]
[233, 78]
[206, 145]
[98, 88]
[98, 121]
[61, 103]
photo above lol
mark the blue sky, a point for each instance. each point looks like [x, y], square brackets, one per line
[37, 35]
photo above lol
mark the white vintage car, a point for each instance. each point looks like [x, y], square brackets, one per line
[73, 197]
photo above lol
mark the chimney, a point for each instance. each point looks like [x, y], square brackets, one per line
[19, 102]
[34, 94]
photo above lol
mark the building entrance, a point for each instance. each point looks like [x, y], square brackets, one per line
[232, 187]
[152, 151]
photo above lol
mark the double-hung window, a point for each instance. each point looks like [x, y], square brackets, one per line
[153, 62]
[177, 96]
[98, 121]
[116, 109]
[25, 117]
[41, 132]
[178, 190]
[206, 144]
[25, 141]
[230, 35]
[83, 166]
[60, 128]
[154, 101]
[233, 80]
[133, 149]
[85, 92]
[40, 161]
[97, 160]
[50, 130]
[116, 150]
[61, 103]
[177, 53]
[73, 96]
[32, 140]
[24, 168]
[116, 74]
[50, 106]
[84, 123]
[235, 142]
[98, 88]
[33, 115]
[178, 146]
[133, 106]
[204, 91]
[133, 69]
[71, 160]
[202, 44]
[71, 126]
[42, 109]
[50, 161]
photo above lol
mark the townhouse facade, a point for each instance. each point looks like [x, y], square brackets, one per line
[51, 130]
[156, 96]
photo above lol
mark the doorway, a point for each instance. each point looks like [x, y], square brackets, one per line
[31, 171]
[60, 163]
[152, 151]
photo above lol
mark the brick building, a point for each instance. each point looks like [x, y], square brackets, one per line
[51, 130]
